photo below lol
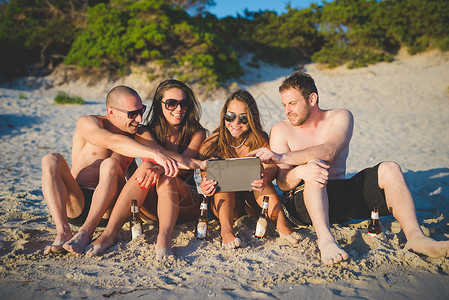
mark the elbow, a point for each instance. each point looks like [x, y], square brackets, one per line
[330, 154]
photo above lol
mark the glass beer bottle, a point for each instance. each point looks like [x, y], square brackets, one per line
[262, 222]
[135, 223]
[374, 227]
[201, 224]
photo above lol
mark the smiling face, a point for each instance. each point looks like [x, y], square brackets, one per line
[120, 108]
[235, 127]
[176, 116]
[296, 107]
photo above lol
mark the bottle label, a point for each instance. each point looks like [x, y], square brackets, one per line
[201, 230]
[265, 205]
[203, 206]
[374, 215]
[134, 209]
[373, 233]
[261, 227]
[136, 231]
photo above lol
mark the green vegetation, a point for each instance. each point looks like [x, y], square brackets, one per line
[63, 98]
[124, 32]
[113, 35]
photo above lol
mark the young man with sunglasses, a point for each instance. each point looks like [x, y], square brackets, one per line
[310, 148]
[102, 149]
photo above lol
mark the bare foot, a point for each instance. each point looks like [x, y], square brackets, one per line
[99, 245]
[163, 247]
[293, 238]
[60, 240]
[233, 244]
[163, 254]
[428, 246]
[331, 253]
[227, 236]
[77, 243]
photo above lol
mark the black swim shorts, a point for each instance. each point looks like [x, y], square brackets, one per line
[79, 221]
[352, 198]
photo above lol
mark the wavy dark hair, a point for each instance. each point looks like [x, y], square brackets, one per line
[157, 124]
[219, 142]
[301, 81]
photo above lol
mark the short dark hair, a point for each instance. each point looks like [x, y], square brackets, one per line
[301, 81]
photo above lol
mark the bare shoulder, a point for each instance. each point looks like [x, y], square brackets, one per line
[340, 113]
[280, 128]
[90, 120]
[200, 133]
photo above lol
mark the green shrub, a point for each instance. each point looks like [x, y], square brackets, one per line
[63, 98]
[121, 33]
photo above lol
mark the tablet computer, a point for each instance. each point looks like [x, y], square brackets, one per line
[233, 174]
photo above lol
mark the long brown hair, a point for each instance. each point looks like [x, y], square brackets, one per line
[218, 142]
[157, 124]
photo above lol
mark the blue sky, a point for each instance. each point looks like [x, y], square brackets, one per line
[232, 7]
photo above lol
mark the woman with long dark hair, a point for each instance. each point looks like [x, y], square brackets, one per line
[240, 132]
[173, 128]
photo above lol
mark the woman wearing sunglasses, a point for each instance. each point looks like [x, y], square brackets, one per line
[239, 133]
[173, 128]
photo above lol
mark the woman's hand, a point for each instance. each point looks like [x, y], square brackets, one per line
[259, 184]
[208, 187]
[150, 176]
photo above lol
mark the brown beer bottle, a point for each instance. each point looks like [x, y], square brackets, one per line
[201, 224]
[262, 222]
[374, 227]
[135, 223]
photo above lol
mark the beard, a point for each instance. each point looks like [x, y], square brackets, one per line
[302, 118]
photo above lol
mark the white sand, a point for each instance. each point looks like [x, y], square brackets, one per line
[401, 112]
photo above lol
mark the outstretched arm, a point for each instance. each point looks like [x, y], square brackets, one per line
[336, 140]
[187, 158]
[93, 131]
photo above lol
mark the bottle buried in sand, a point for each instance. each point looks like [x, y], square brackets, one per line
[201, 224]
[374, 227]
[262, 222]
[135, 223]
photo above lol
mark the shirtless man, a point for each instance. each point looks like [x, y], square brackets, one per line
[310, 149]
[102, 149]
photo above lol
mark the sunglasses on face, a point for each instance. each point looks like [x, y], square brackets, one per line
[133, 113]
[230, 116]
[172, 104]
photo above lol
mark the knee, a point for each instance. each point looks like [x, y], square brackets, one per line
[166, 182]
[50, 162]
[109, 167]
[389, 171]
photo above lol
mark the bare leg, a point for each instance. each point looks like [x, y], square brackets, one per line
[60, 191]
[317, 205]
[400, 202]
[276, 213]
[111, 178]
[225, 208]
[120, 213]
[167, 211]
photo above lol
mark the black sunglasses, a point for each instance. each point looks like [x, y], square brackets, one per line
[230, 116]
[172, 104]
[133, 113]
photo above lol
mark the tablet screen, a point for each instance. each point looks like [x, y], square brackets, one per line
[234, 174]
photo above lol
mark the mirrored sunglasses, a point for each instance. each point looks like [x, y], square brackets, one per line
[230, 116]
[172, 104]
[133, 113]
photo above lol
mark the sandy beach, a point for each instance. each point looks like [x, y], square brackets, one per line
[401, 112]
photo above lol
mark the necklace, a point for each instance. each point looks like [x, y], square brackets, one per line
[236, 147]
